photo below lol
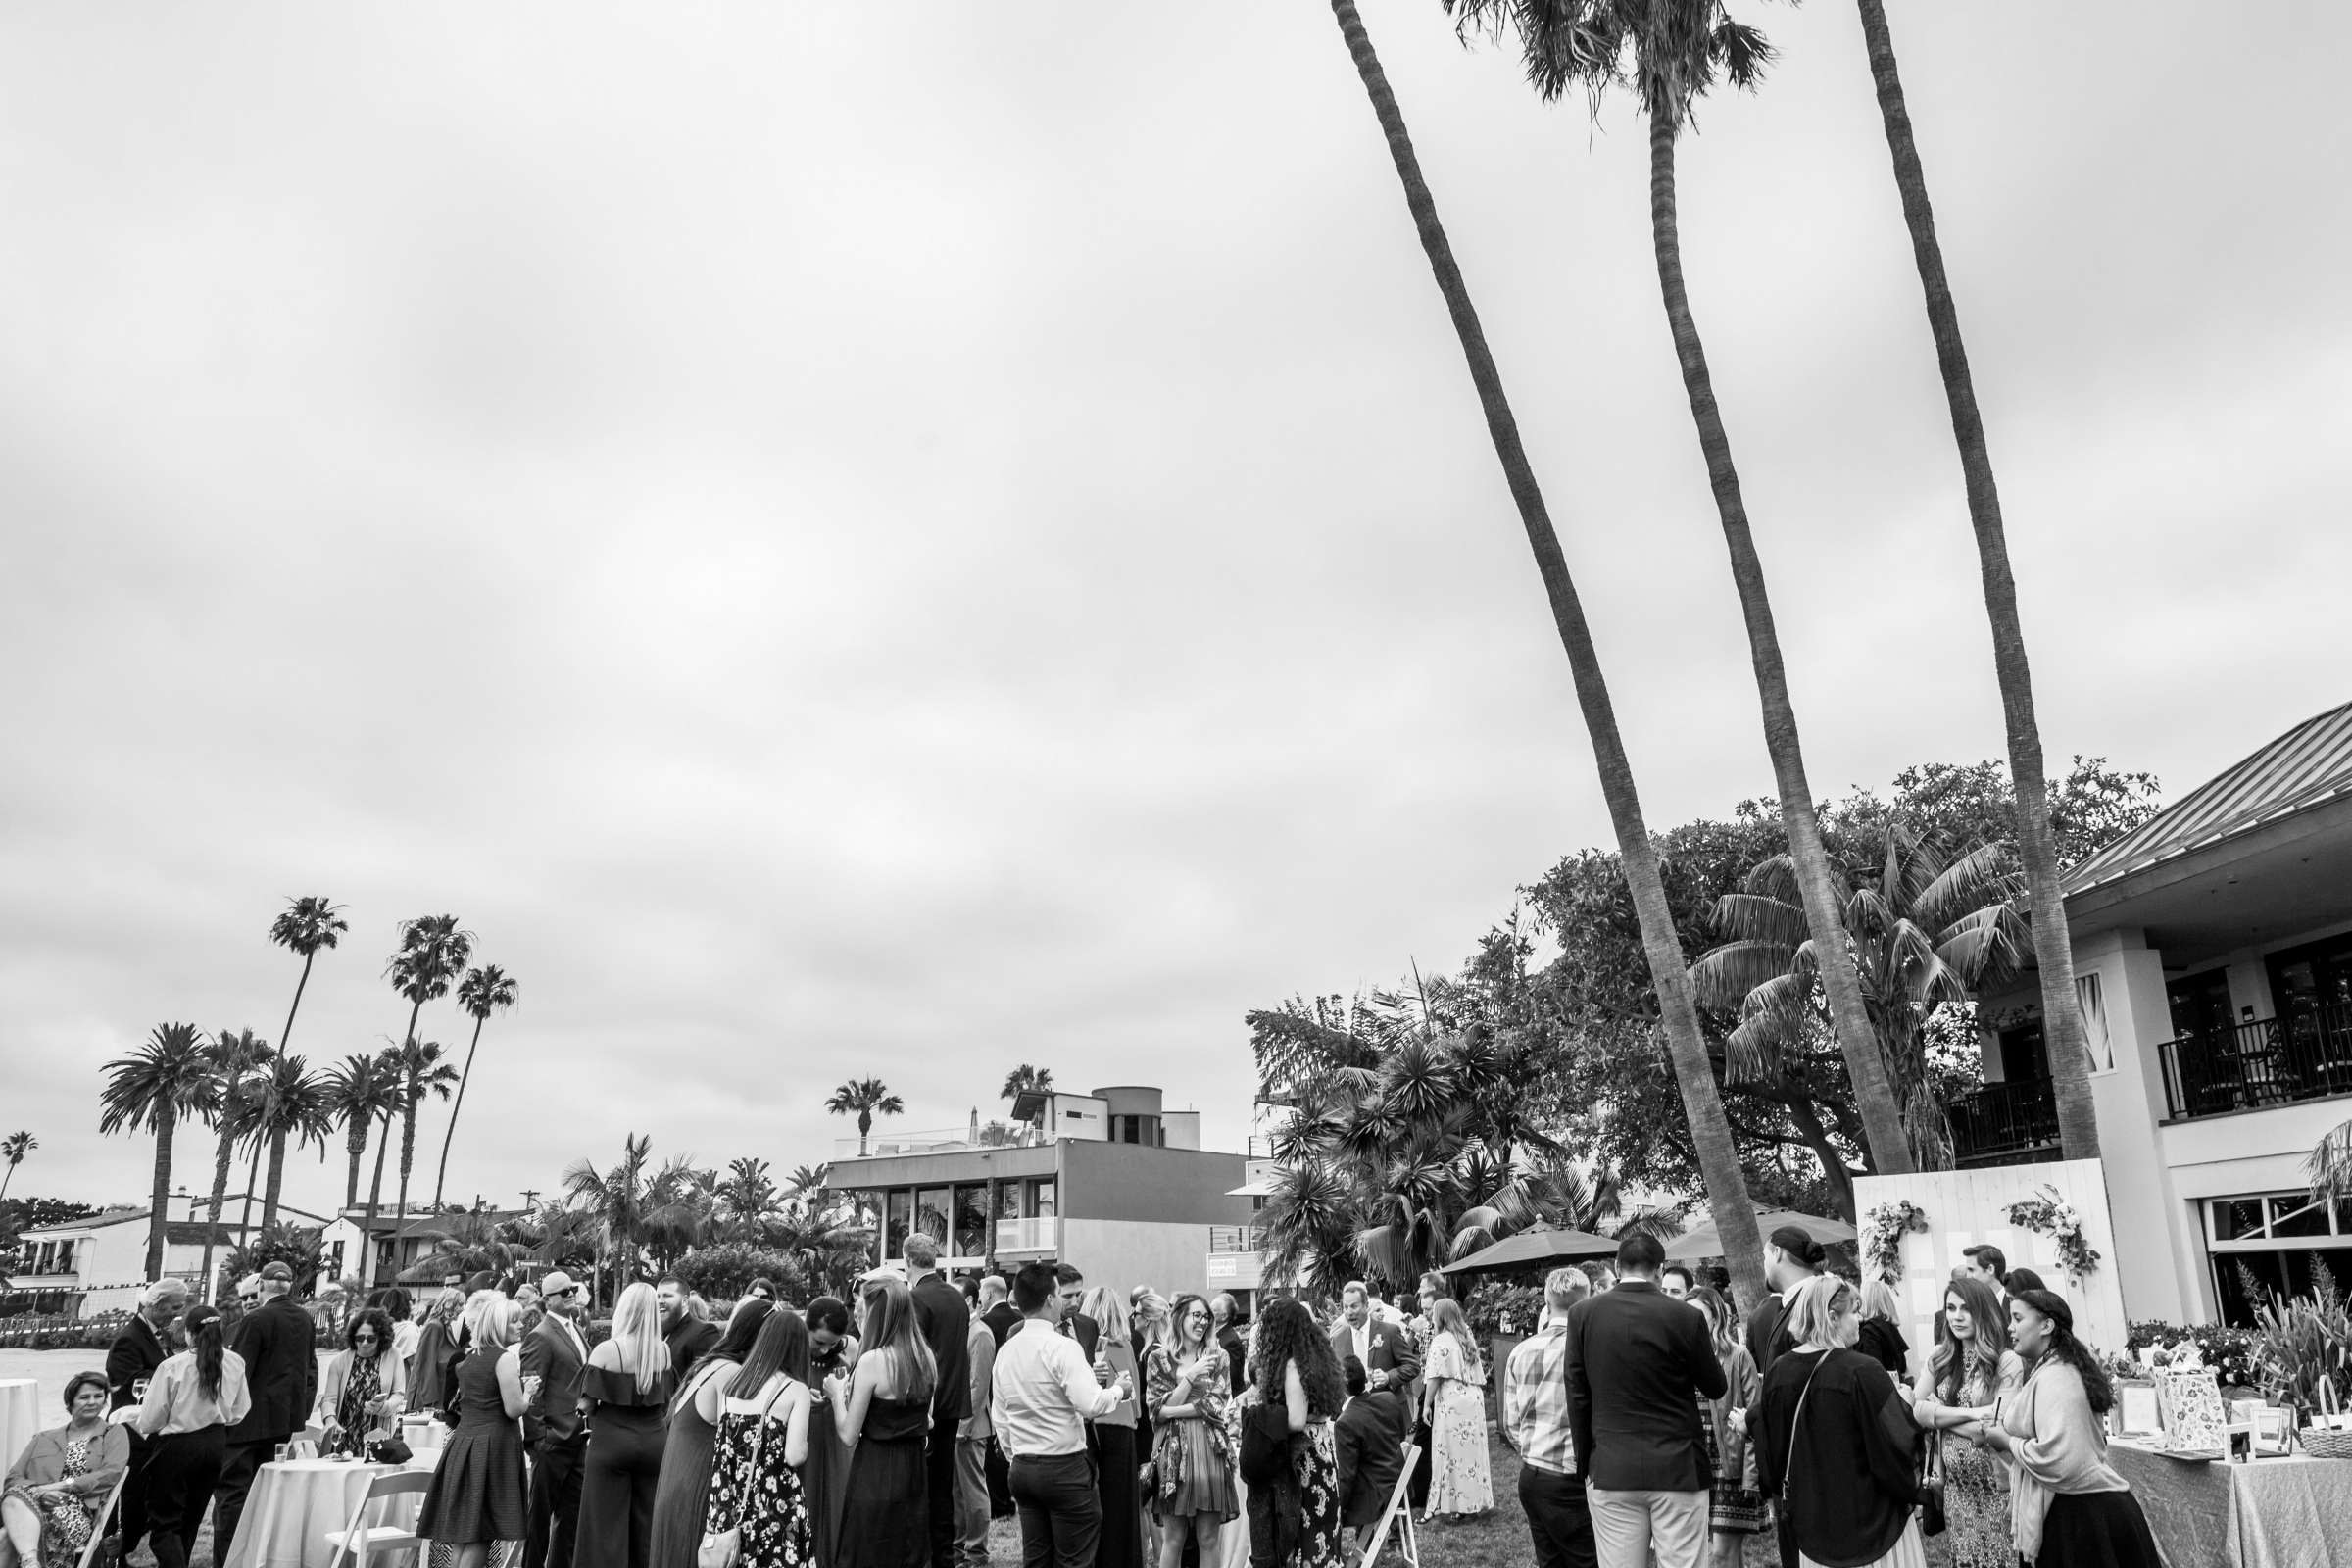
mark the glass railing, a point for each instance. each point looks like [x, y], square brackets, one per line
[1029, 1235]
[1236, 1239]
[891, 1142]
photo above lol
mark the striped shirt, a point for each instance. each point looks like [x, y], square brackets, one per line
[1535, 1400]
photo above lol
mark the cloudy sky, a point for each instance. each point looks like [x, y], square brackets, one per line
[901, 540]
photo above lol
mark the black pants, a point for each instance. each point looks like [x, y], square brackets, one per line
[182, 1472]
[1000, 1481]
[1274, 1510]
[1416, 1491]
[1559, 1520]
[555, 1505]
[1122, 1490]
[939, 1481]
[1062, 1514]
[131, 1511]
[228, 1496]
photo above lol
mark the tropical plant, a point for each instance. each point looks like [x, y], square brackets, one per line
[1559, 1195]
[1926, 930]
[472, 1242]
[1669, 53]
[171, 1077]
[628, 1207]
[361, 1091]
[295, 1246]
[236, 1057]
[309, 926]
[2329, 1169]
[806, 1179]
[724, 1271]
[1026, 1080]
[480, 994]
[1710, 1130]
[864, 1099]
[13, 1149]
[424, 1074]
[2037, 842]
[296, 1106]
[748, 1197]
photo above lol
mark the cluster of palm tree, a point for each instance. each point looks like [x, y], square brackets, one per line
[13, 1149]
[1665, 55]
[260, 1096]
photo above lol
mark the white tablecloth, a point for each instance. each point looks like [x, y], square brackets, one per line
[2270, 1513]
[19, 1417]
[294, 1506]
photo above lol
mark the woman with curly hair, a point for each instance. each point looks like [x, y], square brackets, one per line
[364, 1388]
[1294, 1521]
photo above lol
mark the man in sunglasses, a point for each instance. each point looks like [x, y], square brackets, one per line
[554, 1367]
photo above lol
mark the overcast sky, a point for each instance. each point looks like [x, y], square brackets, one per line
[902, 540]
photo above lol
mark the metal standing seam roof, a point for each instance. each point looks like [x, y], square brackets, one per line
[2308, 764]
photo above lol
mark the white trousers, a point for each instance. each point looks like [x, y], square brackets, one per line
[1629, 1526]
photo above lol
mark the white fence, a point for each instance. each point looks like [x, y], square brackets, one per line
[1967, 1208]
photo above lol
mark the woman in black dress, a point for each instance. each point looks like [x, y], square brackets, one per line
[680, 1497]
[479, 1495]
[831, 1348]
[882, 1413]
[629, 1384]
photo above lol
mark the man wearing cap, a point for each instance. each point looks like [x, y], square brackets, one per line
[556, 1357]
[1791, 1256]
[129, 1362]
[277, 1344]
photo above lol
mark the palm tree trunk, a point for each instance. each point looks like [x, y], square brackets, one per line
[355, 1140]
[375, 1194]
[277, 1177]
[270, 1105]
[408, 1154]
[159, 1213]
[1874, 1092]
[1702, 1101]
[220, 1163]
[2053, 946]
[441, 1174]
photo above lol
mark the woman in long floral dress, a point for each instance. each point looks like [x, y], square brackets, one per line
[1296, 1523]
[1454, 1401]
[1971, 1367]
[763, 1441]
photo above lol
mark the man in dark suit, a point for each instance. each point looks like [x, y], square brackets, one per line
[1070, 1286]
[557, 1355]
[129, 1362]
[281, 1373]
[946, 1320]
[1225, 1316]
[1387, 1351]
[995, 1307]
[1637, 1364]
[688, 1337]
[1371, 1442]
[1790, 1257]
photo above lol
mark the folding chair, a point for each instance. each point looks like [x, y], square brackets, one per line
[102, 1521]
[1408, 1544]
[357, 1540]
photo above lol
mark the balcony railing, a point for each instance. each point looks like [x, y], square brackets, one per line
[2262, 1061]
[2004, 1123]
[1029, 1235]
[1236, 1239]
[893, 1141]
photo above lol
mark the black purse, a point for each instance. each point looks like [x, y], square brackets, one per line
[1931, 1491]
[1265, 1441]
[388, 1450]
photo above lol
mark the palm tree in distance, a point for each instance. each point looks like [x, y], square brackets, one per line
[1026, 1080]
[1669, 52]
[1702, 1101]
[170, 1077]
[480, 994]
[624, 1205]
[297, 1106]
[360, 1093]
[308, 926]
[806, 1179]
[236, 1057]
[423, 1075]
[13, 1149]
[863, 1099]
[2036, 844]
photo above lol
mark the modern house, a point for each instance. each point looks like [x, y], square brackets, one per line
[1110, 1182]
[402, 1244]
[2213, 962]
[83, 1267]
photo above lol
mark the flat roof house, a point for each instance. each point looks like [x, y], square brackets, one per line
[99, 1265]
[1108, 1181]
[2213, 961]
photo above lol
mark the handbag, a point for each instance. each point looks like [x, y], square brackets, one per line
[1931, 1506]
[389, 1450]
[1266, 1443]
[723, 1548]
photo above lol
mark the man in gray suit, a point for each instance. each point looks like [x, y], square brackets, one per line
[557, 1354]
[1386, 1351]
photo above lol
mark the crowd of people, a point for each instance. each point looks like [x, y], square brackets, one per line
[1653, 1425]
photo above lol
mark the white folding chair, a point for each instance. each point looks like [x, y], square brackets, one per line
[358, 1540]
[1408, 1545]
[100, 1520]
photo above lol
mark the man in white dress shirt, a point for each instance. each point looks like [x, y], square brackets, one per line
[1044, 1393]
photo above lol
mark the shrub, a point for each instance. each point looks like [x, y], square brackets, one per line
[722, 1273]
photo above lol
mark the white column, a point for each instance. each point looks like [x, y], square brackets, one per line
[2161, 1265]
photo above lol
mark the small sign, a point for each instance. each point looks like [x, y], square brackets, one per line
[2136, 1412]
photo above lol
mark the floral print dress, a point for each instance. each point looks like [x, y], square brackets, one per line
[1459, 1478]
[1315, 1464]
[64, 1515]
[753, 1488]
[1976, 1478]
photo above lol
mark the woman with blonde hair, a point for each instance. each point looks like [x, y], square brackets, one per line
[627, 1383]
[1187, 1386]
[1118, 1465]
[882, 1413]
[1454, 1402]
[479, 1495]
[1882, 1332]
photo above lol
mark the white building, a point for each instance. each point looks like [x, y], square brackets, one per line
[99, 1265]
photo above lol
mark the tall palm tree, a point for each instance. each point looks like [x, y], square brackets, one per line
[297, 1106]
[625, 1205]
[864, 1097]
[1669, 52]
[2036, 843]
[171, 1076]
[748, 1196]
[480, 994]
[423, 1075]
[1026, 1080]
[309, 926]
[235, 1057]
[360, 1093]
[806, 1179]
[1702, 1101]
[432, 954]
[13, 1149]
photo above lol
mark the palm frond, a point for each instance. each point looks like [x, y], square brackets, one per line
[1724, 976]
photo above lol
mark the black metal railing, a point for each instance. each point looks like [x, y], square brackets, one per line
[2262, 1061]
[2003, 1121]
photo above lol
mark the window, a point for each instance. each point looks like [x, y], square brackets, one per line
[1013, 1201]
[971, 1222]
[931, 1207]
[2274, 1243]
[1041, 1200]
[896, 1219]
[2316, 975]
[1144, 1130]
[2023, 1059]
[2201, 1007]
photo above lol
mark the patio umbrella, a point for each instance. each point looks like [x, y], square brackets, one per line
[1538, 1246]
[1703, 1241]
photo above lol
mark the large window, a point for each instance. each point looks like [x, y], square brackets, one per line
[971, 1222]
[2274, 1243]
[2316, 975]
[931, 1208]
[900, 1215]
[2200, 1007]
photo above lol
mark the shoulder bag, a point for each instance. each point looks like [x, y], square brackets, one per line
[1795, 1422]
[1931, 1484]
[723, 1548]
